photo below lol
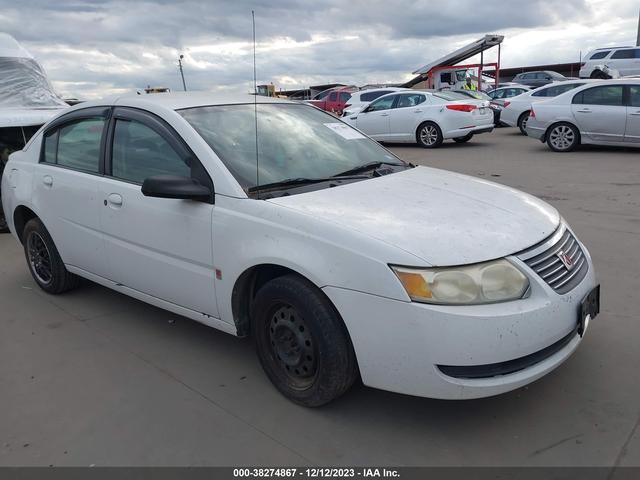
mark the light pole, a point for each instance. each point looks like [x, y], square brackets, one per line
[184, 85]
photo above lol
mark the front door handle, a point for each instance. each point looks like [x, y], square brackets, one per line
[585, 110]
[115, 200]
[636, 113]
[417, 111]
[47, 180]
[384, 114]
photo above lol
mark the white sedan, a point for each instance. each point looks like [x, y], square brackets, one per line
[600, 113]
[426, 118]
[515, 111]
[338, 258]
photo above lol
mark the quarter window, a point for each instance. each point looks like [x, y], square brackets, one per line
[606, 95]
[619, 54]
[140, 152]
[76, 145]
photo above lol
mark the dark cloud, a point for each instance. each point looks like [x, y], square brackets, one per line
[101, 45]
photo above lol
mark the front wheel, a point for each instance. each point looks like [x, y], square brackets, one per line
[429, 135]
[464, 139]
[563, 137]
[302, 343]
[44, 261]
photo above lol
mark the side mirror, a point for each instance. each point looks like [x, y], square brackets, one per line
[174, 186]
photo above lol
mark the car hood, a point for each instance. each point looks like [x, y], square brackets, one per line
[443, 218]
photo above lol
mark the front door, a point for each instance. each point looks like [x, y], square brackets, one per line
[600, 113]
[157, 246]
[374, 120]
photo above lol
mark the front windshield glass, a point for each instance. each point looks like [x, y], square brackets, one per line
[23, 84]
[294, 141]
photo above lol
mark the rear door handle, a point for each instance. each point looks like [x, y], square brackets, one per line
[585, 110]
[115, 200]
[417, 111]
[47, 180]
[384, 114]
[636, 113]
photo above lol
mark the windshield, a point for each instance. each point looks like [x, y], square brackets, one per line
[294, 141]
[23, 84]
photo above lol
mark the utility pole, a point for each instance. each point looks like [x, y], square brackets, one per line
[184, 85]
[638, 39]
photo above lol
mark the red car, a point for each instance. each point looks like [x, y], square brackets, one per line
[334, 99]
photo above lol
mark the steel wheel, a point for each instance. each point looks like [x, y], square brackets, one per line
[39, 258]
[292, 345]
[562, 138]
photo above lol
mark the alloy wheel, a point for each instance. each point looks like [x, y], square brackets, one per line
[39, 258]
[562, 137]
[429, 134]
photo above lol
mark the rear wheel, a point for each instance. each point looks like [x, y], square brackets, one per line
[522, 122]
[302, 343]
[563, 137]
[44, 261]
[464, 139]
[429, 135]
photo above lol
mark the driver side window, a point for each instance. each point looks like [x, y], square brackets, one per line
[382, 104]
[139, 152]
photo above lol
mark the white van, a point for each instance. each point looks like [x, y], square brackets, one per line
[600, 62]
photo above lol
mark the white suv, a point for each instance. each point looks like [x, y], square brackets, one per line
[626, 60]
[361, 99]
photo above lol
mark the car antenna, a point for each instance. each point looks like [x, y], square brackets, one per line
[255, 95]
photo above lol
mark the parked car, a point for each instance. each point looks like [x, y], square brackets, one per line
[495, 109]
[515, 112]
[493, 87]
[416, 280]
[538, 78]
[600, 63]
[361, 99]
[507, 92]
[27, 101]
[601, 113]
[334, 100]
[426, 118]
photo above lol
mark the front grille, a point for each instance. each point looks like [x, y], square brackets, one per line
[549, 265]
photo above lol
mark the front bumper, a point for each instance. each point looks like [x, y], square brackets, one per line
[402, 346]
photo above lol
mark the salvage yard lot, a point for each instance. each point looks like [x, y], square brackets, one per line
[96, 378]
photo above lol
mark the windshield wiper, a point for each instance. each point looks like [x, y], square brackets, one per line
[298, 182]
[369, 166]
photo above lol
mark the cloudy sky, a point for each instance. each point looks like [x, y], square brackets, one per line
[93, 48]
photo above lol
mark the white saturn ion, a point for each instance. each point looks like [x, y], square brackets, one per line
[426, 118]
[339, 259]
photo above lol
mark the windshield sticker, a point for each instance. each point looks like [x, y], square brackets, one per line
[345, 131]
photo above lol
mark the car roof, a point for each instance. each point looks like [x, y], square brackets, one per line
[179, 100]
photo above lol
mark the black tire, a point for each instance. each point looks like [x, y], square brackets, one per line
[562, 137]
[522, 122]
[4, 227]
[301, 341]
[43, 260]
[600, 75]
[429, 135]
[464, 139]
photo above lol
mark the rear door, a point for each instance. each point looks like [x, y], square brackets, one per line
[158, 246]
[632, 133]
[600, 113]
[374, 120]
[626, 61]
[65, 187]
[406, 115]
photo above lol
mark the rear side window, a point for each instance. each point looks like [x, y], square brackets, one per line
[139, 153]
[410, 100]
[620, 54]
[599, 55]
[605, 95]
[76, 145]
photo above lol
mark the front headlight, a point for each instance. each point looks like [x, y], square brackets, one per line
[489, 282]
